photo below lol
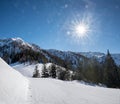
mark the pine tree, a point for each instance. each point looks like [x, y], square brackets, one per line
[111, 77]
[36, 73]
[53, 71]
[67, 75]
[45, 73]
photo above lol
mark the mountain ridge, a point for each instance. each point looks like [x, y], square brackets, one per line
[15, 45]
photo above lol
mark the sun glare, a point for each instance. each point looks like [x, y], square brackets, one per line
[80, 30]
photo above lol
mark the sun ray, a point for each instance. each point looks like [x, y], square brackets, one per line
[80, 28]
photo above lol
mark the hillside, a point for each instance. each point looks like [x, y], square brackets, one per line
[13, 85]
[50, 91]
[15, 89]
[15, 49]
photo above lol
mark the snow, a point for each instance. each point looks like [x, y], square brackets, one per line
[10, 40]
[92, 54]
[51, 91]
[16, 45]
[17, 89]
[73, 57]
[101, 56]
[13, 85]
[27, 70]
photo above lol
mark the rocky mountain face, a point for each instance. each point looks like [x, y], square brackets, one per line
[17, 50]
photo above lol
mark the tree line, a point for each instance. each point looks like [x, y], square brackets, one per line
[107, 73]
[88, 70]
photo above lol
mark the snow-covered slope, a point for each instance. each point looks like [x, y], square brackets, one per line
[15, 42]
[27, 70]
[75, 57]
[72, 58]
[51, 91]
[15, 45]
[92, 54]
[13, 85]
[15, 89]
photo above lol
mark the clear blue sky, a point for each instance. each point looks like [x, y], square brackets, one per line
[47, 23]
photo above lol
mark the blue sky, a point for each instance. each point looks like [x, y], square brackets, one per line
[47, 23]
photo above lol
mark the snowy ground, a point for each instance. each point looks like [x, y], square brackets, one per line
[13, 85]
[51, 91]
[16, 89]
[27, 70]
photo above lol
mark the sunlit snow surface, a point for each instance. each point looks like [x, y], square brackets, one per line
[15, 89]
[13, 85]
[51, 91]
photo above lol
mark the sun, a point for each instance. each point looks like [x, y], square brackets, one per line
[80, 30]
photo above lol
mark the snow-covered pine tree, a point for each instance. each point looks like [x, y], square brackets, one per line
[45, 73]
[36, 73]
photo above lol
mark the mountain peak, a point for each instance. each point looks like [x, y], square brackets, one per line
[17, 39]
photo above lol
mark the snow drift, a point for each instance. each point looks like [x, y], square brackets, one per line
[13, 85]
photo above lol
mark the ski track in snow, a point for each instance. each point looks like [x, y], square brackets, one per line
[29, 96]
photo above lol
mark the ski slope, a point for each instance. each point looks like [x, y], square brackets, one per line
[17, 89]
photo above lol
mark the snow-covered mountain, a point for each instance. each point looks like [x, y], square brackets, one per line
[17, 89]
[101, 56]
[73, 56]
[15, 47]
